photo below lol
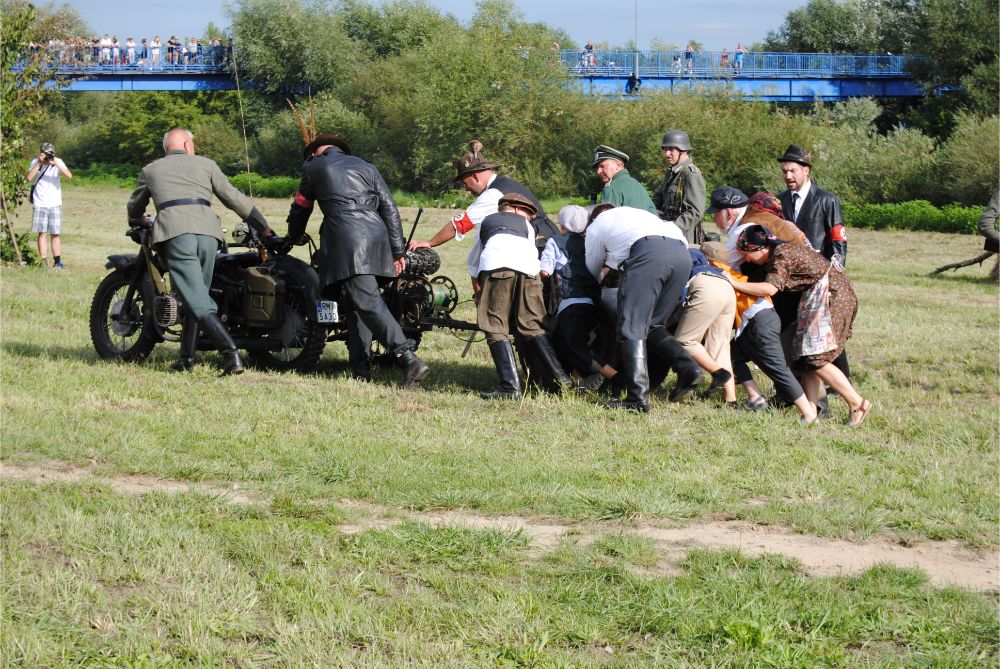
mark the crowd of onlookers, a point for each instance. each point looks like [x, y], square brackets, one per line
[726, 61]
[109, 51]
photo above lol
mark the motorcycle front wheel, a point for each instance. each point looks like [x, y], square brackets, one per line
[121, 334]
[298, 341]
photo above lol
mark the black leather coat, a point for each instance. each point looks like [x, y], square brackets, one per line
[361, 232]
[821, 219]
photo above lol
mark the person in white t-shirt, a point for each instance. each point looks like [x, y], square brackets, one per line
[46, 200]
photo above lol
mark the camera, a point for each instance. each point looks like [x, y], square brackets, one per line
[49, 156]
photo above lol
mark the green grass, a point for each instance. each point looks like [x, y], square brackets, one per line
[97, 578]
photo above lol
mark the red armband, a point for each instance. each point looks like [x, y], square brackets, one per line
[303, 201]
[463, 223]
[838, 233]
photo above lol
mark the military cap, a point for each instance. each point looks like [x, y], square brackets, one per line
[473, 161]
[603, 153]
[518, 200]
[727, 197]
[47, 147]
[796, 154]
[325, 140]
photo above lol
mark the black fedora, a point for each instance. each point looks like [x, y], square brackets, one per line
[325, 140]
[796, 154]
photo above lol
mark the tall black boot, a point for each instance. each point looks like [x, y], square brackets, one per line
[414, 369]
[689, 374]
[189, 345]
[503, 359]
[636, 376]
[219, 334]
[547, 356]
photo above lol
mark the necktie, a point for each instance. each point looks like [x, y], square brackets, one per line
[795, 206]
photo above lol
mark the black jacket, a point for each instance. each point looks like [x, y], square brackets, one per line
[820, 219]
[361, 232]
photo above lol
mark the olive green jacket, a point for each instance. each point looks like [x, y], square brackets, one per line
[681, 198]
[177, 176]
[624, 191]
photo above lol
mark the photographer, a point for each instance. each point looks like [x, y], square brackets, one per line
[46, 201]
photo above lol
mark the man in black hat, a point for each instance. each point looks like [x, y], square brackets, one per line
[361, 246]
[620, 188]
[478, 176]
[814, 211]
[681, 196]
[511, 299]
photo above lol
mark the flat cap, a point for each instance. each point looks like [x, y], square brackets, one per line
[573, 217]
[796, 154]
[727, 197]
[716, 251]
[518, 200]
[603, 153]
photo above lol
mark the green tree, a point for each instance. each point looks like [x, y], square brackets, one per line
[847, 26]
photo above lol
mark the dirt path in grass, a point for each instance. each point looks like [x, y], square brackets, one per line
[945, 562]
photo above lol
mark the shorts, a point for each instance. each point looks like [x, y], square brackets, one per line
[46, 219]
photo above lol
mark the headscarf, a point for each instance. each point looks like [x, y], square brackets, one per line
[764, 201]
[756, 238]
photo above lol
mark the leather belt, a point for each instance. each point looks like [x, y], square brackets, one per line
[182, 202]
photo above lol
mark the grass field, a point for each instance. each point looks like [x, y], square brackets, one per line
[152, 519]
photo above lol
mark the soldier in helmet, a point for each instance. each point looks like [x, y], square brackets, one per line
[681, 196]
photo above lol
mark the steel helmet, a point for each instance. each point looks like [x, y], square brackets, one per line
[677, 139]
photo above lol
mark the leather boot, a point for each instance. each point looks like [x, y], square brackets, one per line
[219, 334]
[361, 367]
[189, 344]
[503, 359]
[414, 369]
[689, 374]
[547, 356]
[636, 375]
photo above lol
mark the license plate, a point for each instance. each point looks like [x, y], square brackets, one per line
[327, 312]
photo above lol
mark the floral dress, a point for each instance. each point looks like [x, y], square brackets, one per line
[795, 269]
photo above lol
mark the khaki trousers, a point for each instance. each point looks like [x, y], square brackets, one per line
[510, 303]
[706, 322]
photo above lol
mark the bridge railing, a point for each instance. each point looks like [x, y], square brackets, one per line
[754, 64]
[71, 59]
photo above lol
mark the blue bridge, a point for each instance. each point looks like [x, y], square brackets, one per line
[773, 77]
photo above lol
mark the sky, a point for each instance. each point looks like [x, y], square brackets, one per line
[714, 23]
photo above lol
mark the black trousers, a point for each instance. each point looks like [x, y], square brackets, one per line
[369, 318]
[574, 326]
[760, 342]
[655, 273]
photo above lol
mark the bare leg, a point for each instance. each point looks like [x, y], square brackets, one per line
[753, 390]
[56, 246]
[812, 386]
[42, 248]
[833, 377]
[806, 408]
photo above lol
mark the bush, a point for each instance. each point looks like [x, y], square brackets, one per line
[280, 187]
[28, 254]
[914, 215]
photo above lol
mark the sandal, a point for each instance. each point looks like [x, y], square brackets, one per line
[857, 416]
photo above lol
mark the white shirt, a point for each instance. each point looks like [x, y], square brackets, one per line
[48, 192]
[484, 205]
[553, 259]
[611, 235]
[802, 194]
[504, 251]
[735, 257]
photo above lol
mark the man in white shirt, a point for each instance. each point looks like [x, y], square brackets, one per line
[654, 263]
[46, 201]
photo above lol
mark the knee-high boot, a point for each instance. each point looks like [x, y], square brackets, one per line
[189, 345]
[689, 374]
[503, 359]
[547, 356]
[219, 334]
[636, 375]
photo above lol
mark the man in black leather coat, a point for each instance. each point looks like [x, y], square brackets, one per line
[814, 211]
[361, 245]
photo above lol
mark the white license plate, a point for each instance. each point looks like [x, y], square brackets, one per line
[327, 312]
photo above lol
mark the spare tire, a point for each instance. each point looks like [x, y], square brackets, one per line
[423, 262]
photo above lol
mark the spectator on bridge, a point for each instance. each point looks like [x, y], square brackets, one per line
[95, 50]
[724, 60]
[129, 51]
[192, 50]
[116, 51]
[154, 51]
[173, 49]
[677, 63]
[105, 49]
[689, 58]
[620, 188]
[142, 53]
[738, 58]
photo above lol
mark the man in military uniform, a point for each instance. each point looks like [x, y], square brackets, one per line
[681, 196]
[188, 233]
[620, 188]
[361, 246]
